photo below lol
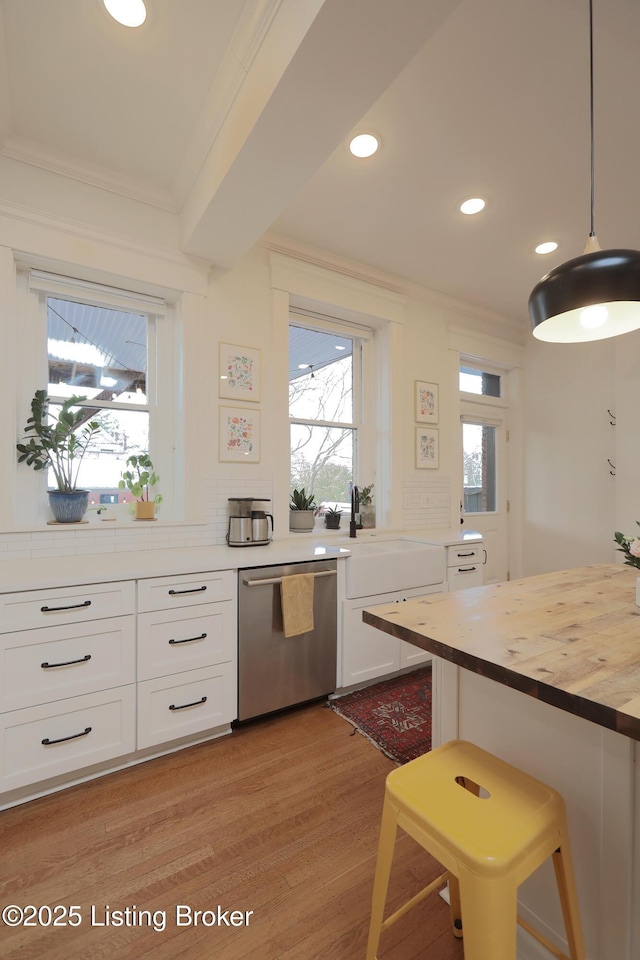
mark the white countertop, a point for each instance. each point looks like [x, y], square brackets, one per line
[47, 572]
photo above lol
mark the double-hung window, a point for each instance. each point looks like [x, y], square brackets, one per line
[104, 344]
[325, 374]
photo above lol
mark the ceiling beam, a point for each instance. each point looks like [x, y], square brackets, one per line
[315, 77]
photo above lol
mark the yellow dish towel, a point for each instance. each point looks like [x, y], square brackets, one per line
[297, 604]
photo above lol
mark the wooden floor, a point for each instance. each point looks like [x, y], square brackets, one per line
[281, 819]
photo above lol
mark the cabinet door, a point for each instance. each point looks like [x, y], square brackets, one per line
[367, 652]
[410, 655]
[170, 593]
[40, 666]
[58, 738]
[170, 642]
[191, 703]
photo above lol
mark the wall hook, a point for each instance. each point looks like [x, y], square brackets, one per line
[612, 421]
[613, 467]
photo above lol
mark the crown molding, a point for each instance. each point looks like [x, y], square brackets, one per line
[314, 256]
[40, 240]
[29, 151]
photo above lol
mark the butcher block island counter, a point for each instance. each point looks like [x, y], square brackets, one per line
[545, 672]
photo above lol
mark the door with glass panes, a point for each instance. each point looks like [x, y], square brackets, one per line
[484, 498]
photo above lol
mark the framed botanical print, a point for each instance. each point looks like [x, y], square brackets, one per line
[239, 435]
[426, 402]
[238, 372]
[426, 448]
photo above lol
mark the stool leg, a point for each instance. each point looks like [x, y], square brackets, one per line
[386, 845]
[490, 914]
[454, 906]
[563, 866]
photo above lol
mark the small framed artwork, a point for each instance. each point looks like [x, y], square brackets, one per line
[426, 401]
[239, 435]
[238, 372]
[426, 448]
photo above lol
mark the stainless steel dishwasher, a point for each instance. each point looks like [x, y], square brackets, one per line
[275, 671]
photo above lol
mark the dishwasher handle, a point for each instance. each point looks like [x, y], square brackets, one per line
[263, 583]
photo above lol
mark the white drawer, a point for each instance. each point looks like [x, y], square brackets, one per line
[464, 555]
[166, 593]
[466, 575]
[40, 608]
[174, 707]
[174, 641]
[89, 729]
[40, 666]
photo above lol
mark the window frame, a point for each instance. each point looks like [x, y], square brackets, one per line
[362, 338]
[30, 502]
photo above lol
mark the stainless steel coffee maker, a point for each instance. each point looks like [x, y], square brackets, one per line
[248, 525]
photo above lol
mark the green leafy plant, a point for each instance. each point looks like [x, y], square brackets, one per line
[140, 477]
[332, 518]
[630, 546]
[332, 511]
[58, 443]
[366, 496]
[300, 500]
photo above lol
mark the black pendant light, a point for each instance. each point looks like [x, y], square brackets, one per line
[593, 296]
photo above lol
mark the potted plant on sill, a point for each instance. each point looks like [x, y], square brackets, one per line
[367, 507]
[332, 518]
[302, 511]
[60, 444]
[138, 480]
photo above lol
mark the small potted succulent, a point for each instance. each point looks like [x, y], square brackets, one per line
[60, 443]
[302, 511]
[138, 480]
[332, 518]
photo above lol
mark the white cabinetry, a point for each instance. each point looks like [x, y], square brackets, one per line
[186, 656]
[465, 565]
[67, 680]
[368, 653]
[81, 694]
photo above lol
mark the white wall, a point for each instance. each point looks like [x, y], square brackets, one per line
[569, 494]
[88, 232]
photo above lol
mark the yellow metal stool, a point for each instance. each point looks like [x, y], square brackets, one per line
[490, 826]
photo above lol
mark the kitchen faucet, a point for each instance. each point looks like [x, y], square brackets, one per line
[355, 510]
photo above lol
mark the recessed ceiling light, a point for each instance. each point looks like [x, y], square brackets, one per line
[303, 366]
[130, 13]
[547, 247]
[339, 347]
[472, 205]
[364, 145]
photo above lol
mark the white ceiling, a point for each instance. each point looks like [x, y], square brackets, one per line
[235, 114]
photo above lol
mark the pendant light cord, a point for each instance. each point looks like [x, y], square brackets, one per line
[593, 232]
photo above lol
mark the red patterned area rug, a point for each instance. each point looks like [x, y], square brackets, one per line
[395, 715]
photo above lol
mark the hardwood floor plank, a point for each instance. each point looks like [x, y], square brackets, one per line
[281, 818]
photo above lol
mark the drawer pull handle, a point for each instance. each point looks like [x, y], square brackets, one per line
[74, 606]
[65, 663]
[178, 593]
[183, 706]
[74, 736]
[469, 553]
[188, 639]
[467, 569]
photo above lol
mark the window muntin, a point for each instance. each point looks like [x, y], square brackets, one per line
[324, 408]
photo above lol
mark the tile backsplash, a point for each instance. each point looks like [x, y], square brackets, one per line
[426, 504]
[107, 537]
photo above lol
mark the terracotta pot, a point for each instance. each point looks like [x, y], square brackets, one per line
[145, 510]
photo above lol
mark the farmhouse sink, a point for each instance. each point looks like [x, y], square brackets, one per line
[389, 565]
